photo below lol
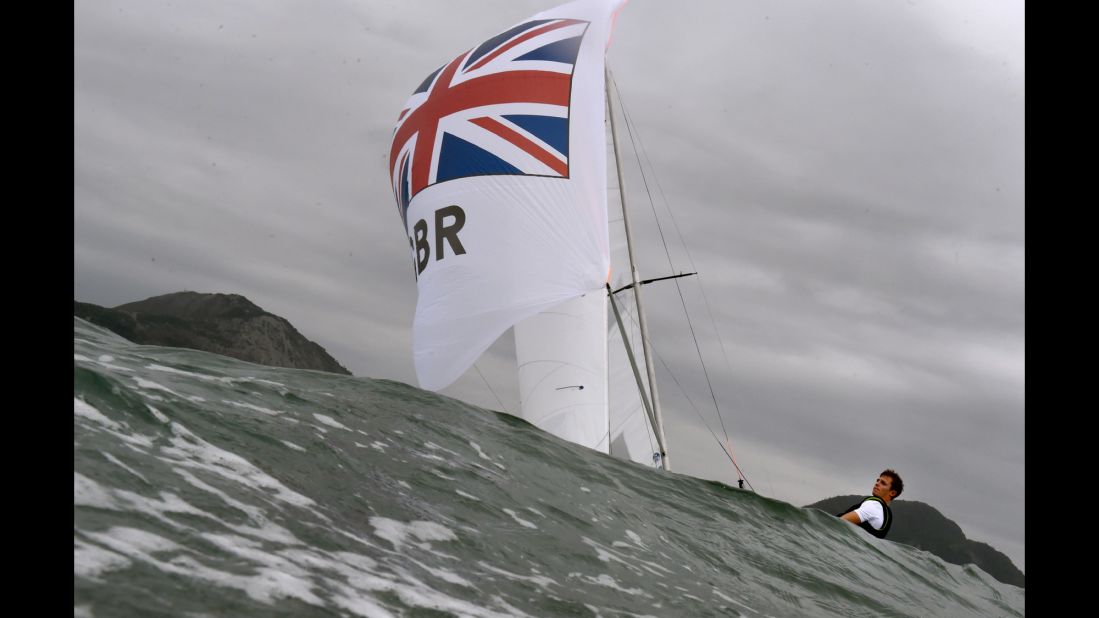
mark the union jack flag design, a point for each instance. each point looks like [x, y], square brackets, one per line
[499, 109]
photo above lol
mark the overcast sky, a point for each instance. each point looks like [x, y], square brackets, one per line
[848, 178]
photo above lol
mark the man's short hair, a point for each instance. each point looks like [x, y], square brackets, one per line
[895, 482]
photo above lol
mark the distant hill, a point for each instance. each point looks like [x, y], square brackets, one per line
[922, 525]
[226, 324]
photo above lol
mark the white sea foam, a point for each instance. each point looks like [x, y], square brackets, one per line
[635, 564]
[419, 594]
[135, 441]
[133, 542]
[254, 551]
[354, 537]
[209, 378]
[111, 458]
[292, 445]
[354, 602]
[192, 451]
[85, 410]
[443, 574]
[249, 406]
[538, 580]
[90, 561]
[465, 495]
[104, 360]
[436, 447]
[266, 586]
[355, 562]
[144, 384]
[331, 422]
[609, 582]
[158, 414]
[397, 532]
[271, 584]
[263, 528]
[718, 593]
[190, 374]
[519, 520]
[87, 492]
[477, 447]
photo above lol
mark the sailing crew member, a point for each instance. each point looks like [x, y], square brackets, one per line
[873, 513]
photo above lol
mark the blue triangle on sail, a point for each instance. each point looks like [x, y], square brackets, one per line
[405, 182]
[427, 82]
[564, 50]
[500, 39]
[551, 130]
[459, 158]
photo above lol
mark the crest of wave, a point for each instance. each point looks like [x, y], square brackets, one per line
[203, 485]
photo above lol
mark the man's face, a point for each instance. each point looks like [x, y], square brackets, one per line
[883, 487]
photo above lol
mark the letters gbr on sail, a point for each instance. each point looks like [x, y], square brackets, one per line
[498, 167]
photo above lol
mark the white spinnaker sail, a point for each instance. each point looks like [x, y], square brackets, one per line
[499, 171]
[561, 356]
[562, 349]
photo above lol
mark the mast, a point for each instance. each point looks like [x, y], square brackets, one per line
[649, 369]
[633, 365]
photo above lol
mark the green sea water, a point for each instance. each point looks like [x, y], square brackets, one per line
[208, 486]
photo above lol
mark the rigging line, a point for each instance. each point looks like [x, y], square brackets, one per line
[729, 454]
[643, 178]
[717, 408]
[682, 301]
[648, 431]
[671, 373]
[490, 388]
[690, 259]
[686, 249]
[705, 372]
[728, 451]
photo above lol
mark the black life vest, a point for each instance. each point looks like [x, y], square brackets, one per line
[887, 514]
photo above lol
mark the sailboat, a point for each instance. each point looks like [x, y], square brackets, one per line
[500, 171]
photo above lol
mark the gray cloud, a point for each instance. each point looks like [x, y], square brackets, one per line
[848, 179]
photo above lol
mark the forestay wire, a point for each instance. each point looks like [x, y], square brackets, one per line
[728, 451]
[727, 446]
[502, 406]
